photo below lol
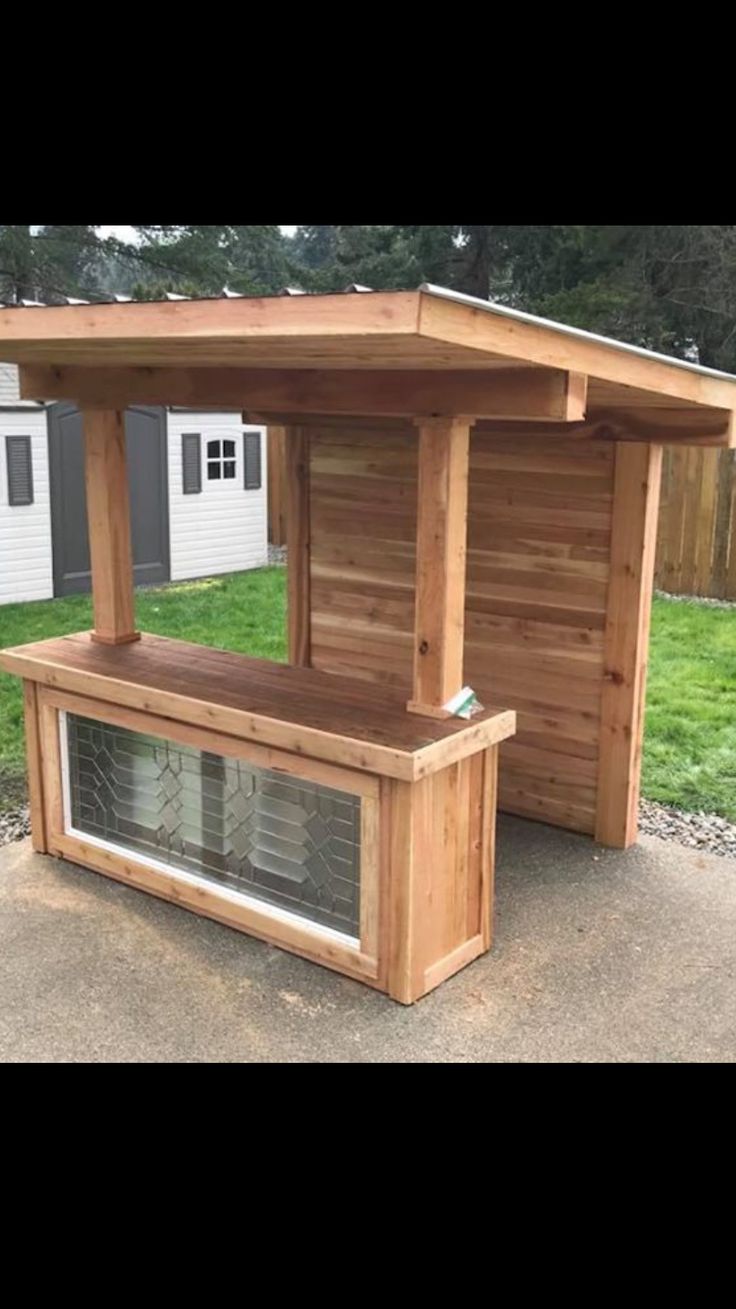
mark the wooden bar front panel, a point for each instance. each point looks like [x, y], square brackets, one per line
[426, 863]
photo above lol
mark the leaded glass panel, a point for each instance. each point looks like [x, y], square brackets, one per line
[282, 839]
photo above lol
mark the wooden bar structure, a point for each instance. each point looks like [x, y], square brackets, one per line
[469, 496]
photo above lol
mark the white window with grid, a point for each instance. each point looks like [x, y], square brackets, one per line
[221, 459]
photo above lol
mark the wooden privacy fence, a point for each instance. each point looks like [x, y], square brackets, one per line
[696, 543]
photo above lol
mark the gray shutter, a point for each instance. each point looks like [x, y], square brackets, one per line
[191, 463]
[20, 470]
[252, 461]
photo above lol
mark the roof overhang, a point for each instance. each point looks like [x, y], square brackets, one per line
[435, 351]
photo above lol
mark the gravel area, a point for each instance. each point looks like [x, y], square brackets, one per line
[277, 554]
[698, 600]
[701, 831]
[14, 824]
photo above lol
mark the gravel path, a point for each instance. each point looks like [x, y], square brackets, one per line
[701, 831]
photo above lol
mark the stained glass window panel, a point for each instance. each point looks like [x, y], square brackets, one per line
[281, 839]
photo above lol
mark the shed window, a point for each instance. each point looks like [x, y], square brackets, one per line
[252, 461]
[20, 470]
[191, 463]
[220, 460]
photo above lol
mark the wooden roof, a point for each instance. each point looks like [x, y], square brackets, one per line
[455, 353]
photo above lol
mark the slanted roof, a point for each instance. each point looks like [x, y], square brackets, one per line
[428, 331]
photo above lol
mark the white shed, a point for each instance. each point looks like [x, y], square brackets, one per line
[197, 487]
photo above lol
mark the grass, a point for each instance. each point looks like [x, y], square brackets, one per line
[690, 742]
[240, 611]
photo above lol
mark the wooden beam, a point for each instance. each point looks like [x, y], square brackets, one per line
[34, 766]
[108, 519]
[664, 426]
[439, 617]
[534, 394]
[531, 393]
[672, 427]
[626, 643]
[297, 545]
[276, 447]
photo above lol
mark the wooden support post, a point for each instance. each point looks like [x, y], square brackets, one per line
[633, 545]
[297, 545]
[276, 439]
[108, 519]
[439, 618]
[34, 768]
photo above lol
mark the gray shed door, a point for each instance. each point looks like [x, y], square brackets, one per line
[145, 431]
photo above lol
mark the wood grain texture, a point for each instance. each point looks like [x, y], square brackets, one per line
[34, 767]
[441, 877]
[426, 861]
[530, 393]
[300, 711]
[384, 330]
[298, 545]
[442, 513]
[276, 446]
[696, 545]
[626, 647]
[539, 530]
[108, 520]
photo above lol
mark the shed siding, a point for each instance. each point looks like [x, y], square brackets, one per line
[10, 389]
[538, 559]
[223, 528]
[25, 530]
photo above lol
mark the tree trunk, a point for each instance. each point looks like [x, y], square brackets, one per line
[475, 267]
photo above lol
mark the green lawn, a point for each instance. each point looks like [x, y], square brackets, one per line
[240, 611]
[690, 742]
[690, 746]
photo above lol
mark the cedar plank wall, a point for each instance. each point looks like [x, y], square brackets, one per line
[538, 550]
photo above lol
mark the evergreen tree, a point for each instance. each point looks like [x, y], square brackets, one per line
[17, 265]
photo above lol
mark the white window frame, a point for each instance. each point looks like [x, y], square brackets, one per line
[221, 460]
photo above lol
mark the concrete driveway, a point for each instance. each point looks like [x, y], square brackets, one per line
[599, 956]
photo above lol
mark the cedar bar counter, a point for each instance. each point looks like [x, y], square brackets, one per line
[285, 802]
[469, 493]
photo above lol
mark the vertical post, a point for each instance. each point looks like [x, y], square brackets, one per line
[297, 545]
[626, 642]
[34, 768]
[442, 512]
[108, 519]
[276, 437]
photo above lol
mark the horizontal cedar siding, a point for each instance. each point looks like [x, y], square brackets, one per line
[538, 548]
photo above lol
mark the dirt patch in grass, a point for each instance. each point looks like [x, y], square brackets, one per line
[13, 788]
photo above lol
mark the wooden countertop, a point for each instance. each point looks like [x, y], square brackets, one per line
[357, 724]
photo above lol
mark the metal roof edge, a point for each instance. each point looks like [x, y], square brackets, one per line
[505, 311]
